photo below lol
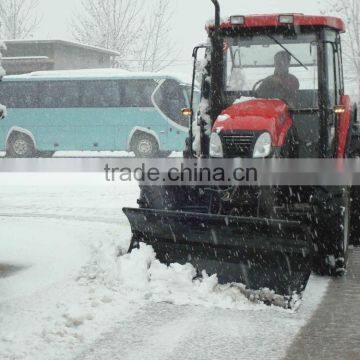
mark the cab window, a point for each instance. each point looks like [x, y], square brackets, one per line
[331, 74]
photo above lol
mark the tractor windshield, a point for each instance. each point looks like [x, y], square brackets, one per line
[275, 66]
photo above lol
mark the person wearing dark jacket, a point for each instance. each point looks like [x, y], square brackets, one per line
[282, 85]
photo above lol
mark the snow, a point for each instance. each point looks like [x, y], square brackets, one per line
[243, 99]
[82, 72]
[26, 58]
[63, 42]
[203, 114]
[98, 154]
[75, 297]
[3, 110]
[103, 73]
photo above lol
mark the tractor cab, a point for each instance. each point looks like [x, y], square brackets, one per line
[277, 79]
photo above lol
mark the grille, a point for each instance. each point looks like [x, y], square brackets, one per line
[238, 144]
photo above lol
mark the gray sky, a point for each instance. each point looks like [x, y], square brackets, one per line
[189, 17]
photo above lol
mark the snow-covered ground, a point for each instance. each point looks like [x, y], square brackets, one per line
[103, 154]
[74, 297]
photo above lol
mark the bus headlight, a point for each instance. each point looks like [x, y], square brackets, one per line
[262, 147]
[216, 148]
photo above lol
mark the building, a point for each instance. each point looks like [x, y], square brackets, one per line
[2, 49]
[24, 56]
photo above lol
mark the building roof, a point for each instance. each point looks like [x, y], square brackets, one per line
[25, 58]
[272, 20]
[64, 43]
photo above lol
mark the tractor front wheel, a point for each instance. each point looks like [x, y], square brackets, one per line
[333, 234]
[355, 216]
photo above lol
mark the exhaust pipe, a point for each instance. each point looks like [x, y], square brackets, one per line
[217, 13]
[216, 68]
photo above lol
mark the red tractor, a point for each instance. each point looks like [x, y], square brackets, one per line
[274, 87]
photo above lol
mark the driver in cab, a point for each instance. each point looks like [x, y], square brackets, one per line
[282, 85]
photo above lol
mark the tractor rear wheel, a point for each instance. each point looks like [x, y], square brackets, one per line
[333, 235]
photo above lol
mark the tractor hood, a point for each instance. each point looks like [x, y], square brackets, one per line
[258, 115]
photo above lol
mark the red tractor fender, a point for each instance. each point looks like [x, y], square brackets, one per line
[344, 126]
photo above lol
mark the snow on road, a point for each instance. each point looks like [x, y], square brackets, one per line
[75, 298]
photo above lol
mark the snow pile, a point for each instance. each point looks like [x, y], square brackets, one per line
[143, 276]
[140, 276]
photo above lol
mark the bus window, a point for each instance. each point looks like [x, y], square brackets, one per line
[59, 94]
[170, 99]
[137, 93]
[100, 93]
[19, 94]
[196, 101]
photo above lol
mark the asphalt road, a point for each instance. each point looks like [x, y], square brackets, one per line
[334, 330]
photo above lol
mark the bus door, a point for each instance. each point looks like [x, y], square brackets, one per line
[136, 109]
[170, 97]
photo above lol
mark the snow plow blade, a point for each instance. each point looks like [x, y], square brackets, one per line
[259, 253]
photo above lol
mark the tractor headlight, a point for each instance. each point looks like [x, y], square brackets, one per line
[262, 147]
[216, 148]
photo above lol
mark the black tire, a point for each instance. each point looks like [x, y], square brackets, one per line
[20, 146]
[355, 216]
[145, 146]
[333, 234]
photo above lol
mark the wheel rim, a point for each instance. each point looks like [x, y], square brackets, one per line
[20, 147]
[145, 147]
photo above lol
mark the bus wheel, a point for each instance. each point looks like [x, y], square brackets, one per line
[145, 146]
[21, 146]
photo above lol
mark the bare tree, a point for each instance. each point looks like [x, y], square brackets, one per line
[155, 50]
[349, 10]
[113, 24]
[18, 18]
